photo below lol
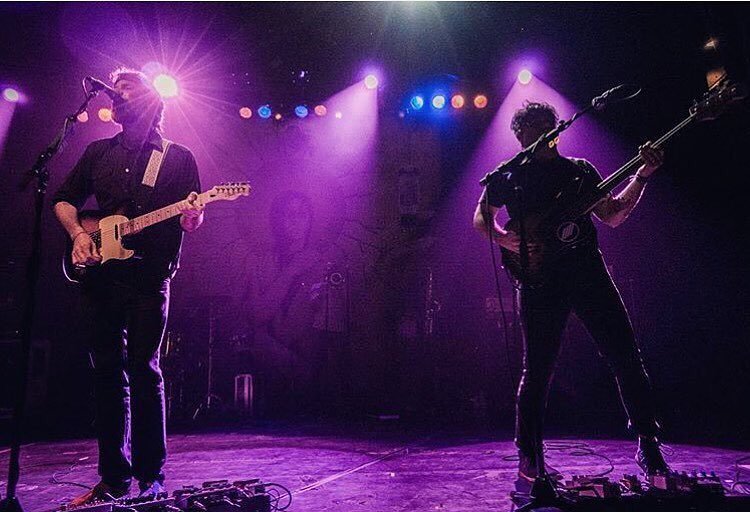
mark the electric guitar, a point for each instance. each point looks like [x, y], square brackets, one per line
[108, 232]
[558, 229]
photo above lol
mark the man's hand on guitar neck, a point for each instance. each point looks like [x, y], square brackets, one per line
[192, 212]
[652, 159]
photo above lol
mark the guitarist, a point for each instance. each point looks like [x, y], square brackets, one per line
[130, 297]
[579, 282]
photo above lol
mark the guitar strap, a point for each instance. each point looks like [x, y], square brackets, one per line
[154, 164]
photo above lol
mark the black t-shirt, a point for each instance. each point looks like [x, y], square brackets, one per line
[544, 182]
[113, 174]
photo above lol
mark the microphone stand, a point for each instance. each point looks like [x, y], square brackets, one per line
[40, 171]
[543, 493]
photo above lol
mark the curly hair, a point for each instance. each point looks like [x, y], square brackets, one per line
[133, 74]
[532, 111]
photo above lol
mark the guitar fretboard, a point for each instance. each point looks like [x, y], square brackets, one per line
[156, 216]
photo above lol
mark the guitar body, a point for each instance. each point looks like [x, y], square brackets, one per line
[556, 236]
[104, 231]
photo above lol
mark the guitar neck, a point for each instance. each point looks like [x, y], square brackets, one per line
[627, 170]
[156, 216]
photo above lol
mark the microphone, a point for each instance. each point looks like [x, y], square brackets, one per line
[600, 102]
[98, 85]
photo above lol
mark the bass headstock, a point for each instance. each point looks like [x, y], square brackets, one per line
[723, 94]
[229, 191]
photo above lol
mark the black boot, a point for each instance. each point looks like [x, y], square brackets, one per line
[649, 457]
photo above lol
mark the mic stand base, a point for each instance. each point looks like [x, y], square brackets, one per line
[544, 495]
[10, 505]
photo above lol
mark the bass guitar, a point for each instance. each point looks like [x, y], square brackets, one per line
[108, 232]
[558, 230]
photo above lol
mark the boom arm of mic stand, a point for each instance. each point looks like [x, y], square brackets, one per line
[39, 169]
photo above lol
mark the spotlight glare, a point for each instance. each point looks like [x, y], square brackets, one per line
[246, 112]
[321, 110]
[105, 114]
[480, 101]
[277, 116]
[11, 95]
[338, 115]
[166, 86]
[417, 102]
[457, 101]
[438, 101]
[83, 117]
[264, 112]
[301, 111]
[525, 76]
[371, 81]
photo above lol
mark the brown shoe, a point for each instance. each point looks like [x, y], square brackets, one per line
[100, 493]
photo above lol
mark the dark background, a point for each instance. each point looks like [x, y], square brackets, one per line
[680, 260]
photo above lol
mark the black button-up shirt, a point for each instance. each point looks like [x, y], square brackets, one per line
[113, 174]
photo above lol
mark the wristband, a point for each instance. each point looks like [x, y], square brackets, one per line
[640, 179]
[78, 234]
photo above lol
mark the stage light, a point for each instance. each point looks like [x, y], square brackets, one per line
[246, 112]
[338, 115]
[264, 112]
[11, 95]
[480, 101]
[321, 110]
[166, 86]
[525, 76]
[301, 111]
[105, 114]
[277, 116]
[438, 101]
[371, 81]
[457, 101]
[417, 102]
[83, 117]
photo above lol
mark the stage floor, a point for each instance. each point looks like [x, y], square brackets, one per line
[345, 471]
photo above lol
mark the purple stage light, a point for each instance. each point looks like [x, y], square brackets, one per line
[11, 95]
[301, 111]
[166, 85]
[246, 112]
[438, 101]
[525, 76]
[321, 110]
[371, 81]
[83, 117]
[417, 102]
[457, 101]
[338, 115]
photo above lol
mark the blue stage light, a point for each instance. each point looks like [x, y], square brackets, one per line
[417, 102]
[264, 112]
[301, 111]
[438, 101]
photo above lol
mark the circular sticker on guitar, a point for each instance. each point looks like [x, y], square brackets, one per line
[568, 232]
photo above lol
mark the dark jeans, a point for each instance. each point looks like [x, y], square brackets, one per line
[583, 286]
[126, 328]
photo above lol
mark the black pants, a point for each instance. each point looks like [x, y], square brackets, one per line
[581, 285]
[126, 325]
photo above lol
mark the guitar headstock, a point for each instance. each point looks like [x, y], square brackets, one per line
[717, 99]
[229, 191]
